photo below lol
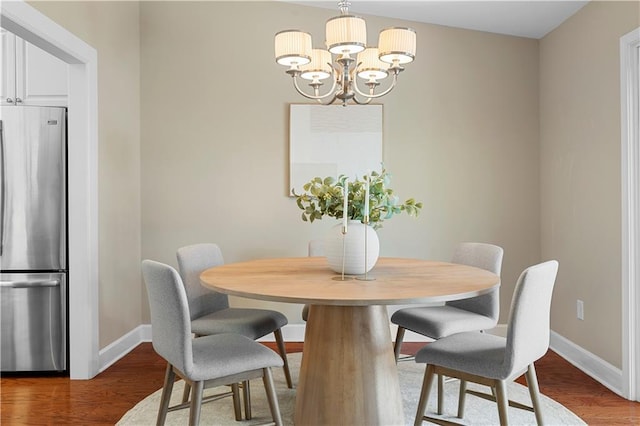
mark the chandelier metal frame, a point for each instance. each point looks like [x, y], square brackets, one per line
[346, 35]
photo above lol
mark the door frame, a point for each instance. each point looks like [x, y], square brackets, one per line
[28, 23]
[630, 153]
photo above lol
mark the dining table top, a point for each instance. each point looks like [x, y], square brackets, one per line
[309, 280]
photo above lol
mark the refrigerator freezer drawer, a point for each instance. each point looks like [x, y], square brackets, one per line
[33, 322]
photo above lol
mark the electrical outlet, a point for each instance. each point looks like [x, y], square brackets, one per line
[580, 309]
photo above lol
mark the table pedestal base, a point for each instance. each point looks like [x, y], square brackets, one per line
[348, 374]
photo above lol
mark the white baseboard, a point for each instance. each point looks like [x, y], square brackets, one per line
[295, 333]
[590, 364]
[116, 350]
[290, 333]
[409, 336]
[125, 344]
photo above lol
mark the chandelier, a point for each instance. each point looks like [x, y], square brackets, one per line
[346, 35]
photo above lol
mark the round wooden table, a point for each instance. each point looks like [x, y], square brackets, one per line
[348, 374]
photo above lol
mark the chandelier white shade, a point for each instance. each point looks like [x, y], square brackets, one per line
[293, 48]
[397, 44]
[319, 67]
[345, 35]
[371, 67]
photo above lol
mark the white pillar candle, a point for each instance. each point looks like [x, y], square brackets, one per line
[366, 198]
[345, 207]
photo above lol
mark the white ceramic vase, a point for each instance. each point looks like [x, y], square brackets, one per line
[354, 248]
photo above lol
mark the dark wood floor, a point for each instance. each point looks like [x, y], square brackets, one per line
[104, 399]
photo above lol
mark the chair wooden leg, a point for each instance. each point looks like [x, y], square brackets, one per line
[424, 395]
[462, 397]
[186, 392]
[503, 402]
[187, 387]
[246, 393]
[169, 377]
[267, 378]
[236, 401]
[196, 403]
[440, 394]
[398, 344]
[283, 354]
[534, 392]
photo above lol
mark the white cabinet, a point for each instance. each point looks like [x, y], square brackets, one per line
[31, 76]
[8, 68]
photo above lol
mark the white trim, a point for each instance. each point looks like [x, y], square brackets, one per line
[409, 336]
[145, 333]
[630, 167]
[26, 22]
[290, 333]
[590, 364]
[124, 345]
[295, 333]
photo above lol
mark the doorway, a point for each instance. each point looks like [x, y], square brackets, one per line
[630, 113]
[29, 24]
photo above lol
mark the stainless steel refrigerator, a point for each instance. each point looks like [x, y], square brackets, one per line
[33, 239]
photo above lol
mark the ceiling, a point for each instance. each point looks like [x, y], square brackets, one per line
[524, 18]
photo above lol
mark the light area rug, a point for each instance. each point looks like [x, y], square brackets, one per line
[477, 410]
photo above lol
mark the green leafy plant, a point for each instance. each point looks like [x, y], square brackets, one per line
[325, 197]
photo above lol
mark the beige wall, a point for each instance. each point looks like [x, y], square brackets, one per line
[505, 140]
[112, 28]
[460, 134]
[580, 172]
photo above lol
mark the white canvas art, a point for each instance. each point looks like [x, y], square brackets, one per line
[333, 140]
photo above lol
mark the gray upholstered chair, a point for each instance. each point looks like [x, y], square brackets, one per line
[210, 311]
[316, 248]
[493, 360]
[203, 362]
[472, 314]
[475, 313]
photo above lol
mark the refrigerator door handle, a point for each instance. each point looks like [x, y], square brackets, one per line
[30, 283]
[3, 188]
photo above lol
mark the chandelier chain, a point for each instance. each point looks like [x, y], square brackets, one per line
[344, 7]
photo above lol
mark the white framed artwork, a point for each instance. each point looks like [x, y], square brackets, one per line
[333, 140]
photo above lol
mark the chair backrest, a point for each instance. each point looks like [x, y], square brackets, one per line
[316, 248]
[170, 323]
[192, 261]
[488, 257]
[528, 329]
